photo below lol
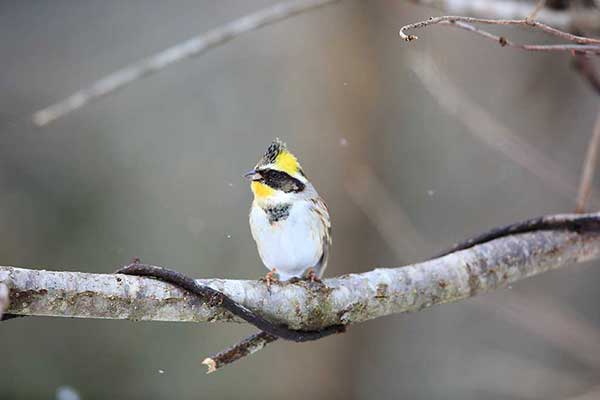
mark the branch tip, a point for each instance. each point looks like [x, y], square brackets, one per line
[210, 364]
[579, 43]
[409, 38]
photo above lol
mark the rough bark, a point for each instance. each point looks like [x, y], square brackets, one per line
[347, 299]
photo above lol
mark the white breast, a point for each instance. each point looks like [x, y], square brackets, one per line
[291, 245]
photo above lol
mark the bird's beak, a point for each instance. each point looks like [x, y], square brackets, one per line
[252, 175]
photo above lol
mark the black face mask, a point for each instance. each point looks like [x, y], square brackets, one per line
[280, 181]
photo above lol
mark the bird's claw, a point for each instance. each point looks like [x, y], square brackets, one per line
[270, 277]
[312, 276]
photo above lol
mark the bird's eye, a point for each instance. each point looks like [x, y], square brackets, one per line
[280, 180]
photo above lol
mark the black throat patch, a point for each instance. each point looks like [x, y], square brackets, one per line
[278, 213]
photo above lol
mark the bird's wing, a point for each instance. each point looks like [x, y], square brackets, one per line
[320, 208]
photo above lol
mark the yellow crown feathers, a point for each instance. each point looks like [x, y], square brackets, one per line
[280, 157]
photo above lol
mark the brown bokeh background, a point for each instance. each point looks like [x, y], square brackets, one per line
[155, 171]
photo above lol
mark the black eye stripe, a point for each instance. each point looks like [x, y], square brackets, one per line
[281, 181]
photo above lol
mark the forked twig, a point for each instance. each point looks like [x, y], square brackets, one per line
[582, 44]
[584, 18]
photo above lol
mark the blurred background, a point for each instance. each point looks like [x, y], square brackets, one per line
[413, 146]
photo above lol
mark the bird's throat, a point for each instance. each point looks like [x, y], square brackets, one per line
[261, 191]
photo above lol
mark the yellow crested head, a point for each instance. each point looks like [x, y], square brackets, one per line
[277, 171]
[287, 162]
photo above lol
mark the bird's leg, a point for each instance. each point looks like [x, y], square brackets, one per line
[270, 277]
[312, 276]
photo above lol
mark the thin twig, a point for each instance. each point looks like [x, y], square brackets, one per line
[190, 48]
[487, 21]
[583, 44]
[586, 19]
[589, 166]
[246, 347]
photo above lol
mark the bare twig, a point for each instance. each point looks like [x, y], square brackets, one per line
[190, 48]
[589, 165]
[449, 19]
[246, 347]
[578, 18]
[583, 44]
[345, 300]
[223, 34]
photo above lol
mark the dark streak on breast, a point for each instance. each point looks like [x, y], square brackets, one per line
[278, 213]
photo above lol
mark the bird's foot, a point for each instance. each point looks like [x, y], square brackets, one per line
[270, 277]
[312, 276]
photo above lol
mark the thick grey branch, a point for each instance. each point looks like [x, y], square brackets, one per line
[347, 299]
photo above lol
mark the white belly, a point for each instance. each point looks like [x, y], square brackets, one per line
[291, 245]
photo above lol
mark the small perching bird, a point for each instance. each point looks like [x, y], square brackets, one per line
[288, 219]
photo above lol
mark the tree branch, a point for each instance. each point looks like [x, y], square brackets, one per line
[564, 19]
[214, 297]
[246, 347]
[570, 18]
[582, 44]
[179, 52]
[349, 299]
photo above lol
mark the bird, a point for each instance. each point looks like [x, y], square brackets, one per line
[289, 221]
